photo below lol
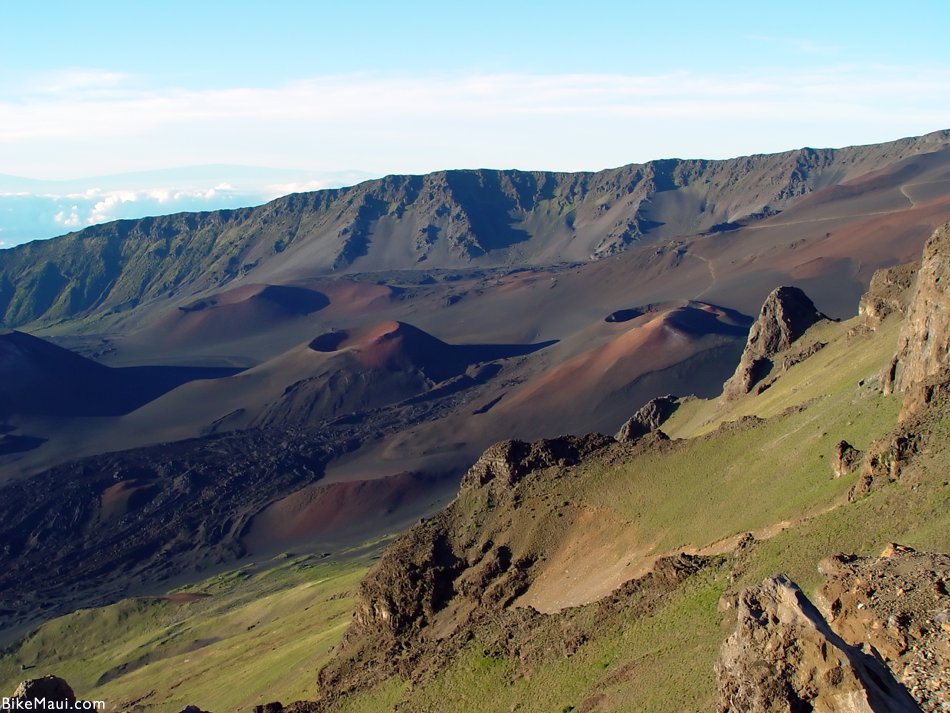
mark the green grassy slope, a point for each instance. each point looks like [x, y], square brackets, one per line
[260, 636]
[772, 477]
[663, 663]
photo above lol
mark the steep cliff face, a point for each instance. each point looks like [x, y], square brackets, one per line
[785, 315]
[889, 292]
[920, 368]
[923, 349]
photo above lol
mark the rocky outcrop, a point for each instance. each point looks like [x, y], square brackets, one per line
[896, 606]
[784, 317]
[920, 369]
[648, 418]
[845, 459]
[272, 707]
[458, 576]
[923, 349]
[51, 688]
[885, 460]
[784, 658]
[428, 565]
[509, 461]
[889, 292]
[412, 582]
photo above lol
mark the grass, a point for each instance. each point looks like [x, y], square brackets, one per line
[915, 512]
[835, 370]
[260, 636]
[610, 668]
[742, 480]
[719, 484]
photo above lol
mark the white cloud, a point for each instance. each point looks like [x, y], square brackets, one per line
[68, 220]
[102, 211]
[275, 190]
[27, 216]
[74, 80]
[364, 97]
[413, 124]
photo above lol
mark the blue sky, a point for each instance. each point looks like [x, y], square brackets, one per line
[332, 92]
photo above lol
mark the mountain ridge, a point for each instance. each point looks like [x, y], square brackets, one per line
[447, 219]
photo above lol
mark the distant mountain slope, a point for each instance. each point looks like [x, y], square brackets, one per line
[448, 219]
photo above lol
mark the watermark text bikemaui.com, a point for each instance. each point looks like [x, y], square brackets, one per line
[44, 704]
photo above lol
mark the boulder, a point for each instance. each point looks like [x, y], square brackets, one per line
[889, 292]
[52, 688]
[845, 459]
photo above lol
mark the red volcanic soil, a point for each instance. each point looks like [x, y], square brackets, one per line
[338, 373]
[383, 345]
[396, 346]
[598, 386]
[359, 506]
[238, 312]
[593, 380]
[350, 299]
[183, 597]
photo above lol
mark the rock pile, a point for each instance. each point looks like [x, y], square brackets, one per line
[509, 461]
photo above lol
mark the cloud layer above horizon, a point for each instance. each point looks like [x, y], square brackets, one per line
[67, 121]
[31, 210]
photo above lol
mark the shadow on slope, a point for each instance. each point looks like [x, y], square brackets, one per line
[38, 378]
[395, 345]
[238, 312]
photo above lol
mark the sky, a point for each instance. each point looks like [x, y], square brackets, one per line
[305, 95]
